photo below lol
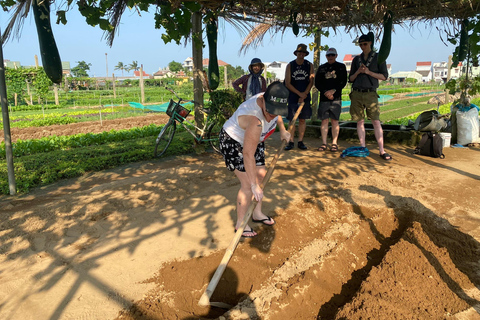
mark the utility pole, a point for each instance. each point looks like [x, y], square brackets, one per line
[106, 63]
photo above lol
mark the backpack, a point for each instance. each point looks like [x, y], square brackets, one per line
[355, 152]
[430, 145]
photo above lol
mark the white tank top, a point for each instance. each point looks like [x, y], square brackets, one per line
[250, 108]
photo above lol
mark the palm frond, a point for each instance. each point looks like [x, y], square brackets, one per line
[115, 14]
[256, 35]
[15, 25]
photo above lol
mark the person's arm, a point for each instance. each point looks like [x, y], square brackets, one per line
[264, 83]
[354, 70]
[236, 84]
[342, 77]
[284, 134]
[253, 131]
[310, 84]
[372, 74]
[289, 85]
[319, 79]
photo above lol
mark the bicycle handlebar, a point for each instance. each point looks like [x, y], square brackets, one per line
[171, 90]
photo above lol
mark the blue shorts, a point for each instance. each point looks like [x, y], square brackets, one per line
[306, 112]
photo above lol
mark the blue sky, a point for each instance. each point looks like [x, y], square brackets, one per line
[139, 40]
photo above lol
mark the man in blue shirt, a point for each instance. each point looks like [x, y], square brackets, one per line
[299, 80]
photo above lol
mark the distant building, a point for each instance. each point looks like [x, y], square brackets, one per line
[347, 60]
[163, 73]
[136, 74]
[456, 72]
[11, 64]
[389, 69]
[440, 71]
[402, 76]
[188, 63]
[220, 63]
[66, 70]
[425, 69]
[278, 68]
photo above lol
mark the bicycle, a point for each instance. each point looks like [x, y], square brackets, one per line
[178, 114]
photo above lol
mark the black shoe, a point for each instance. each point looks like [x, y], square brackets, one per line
[289, 146]
[301, 145]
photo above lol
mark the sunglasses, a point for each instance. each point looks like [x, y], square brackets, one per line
[363, 44]
[331, 55]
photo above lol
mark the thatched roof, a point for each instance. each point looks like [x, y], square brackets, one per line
[335, 13]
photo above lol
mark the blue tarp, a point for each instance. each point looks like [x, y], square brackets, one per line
[158, 107]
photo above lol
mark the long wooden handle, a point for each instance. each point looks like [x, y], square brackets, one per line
[205, 298]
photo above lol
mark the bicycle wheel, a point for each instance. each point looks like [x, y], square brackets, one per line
[164, 138]
[212, 134]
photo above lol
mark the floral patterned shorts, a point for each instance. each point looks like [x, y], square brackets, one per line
[232, 152]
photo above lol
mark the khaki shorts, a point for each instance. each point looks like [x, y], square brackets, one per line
[364, 101]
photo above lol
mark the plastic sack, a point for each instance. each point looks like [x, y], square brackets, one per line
[430, 121]
[355, 152]
[467, 127]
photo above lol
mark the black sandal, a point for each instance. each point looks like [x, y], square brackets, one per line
[323, 147]
[248, 231]
[334, 148]
[385, 156]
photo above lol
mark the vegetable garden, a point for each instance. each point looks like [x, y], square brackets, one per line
[80, 135]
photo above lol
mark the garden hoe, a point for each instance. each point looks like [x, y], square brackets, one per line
[205, 298]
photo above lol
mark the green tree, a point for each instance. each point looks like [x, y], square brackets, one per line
[120, 66]
[175, 66]
[133, 66]
[80, 70]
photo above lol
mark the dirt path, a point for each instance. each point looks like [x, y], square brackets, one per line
[355, 238]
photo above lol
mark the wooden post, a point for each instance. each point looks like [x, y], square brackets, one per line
[142, 87]
[6, 127]
[197, 67]
[225, 79]
[113, 82]
[55, 91]
[449, 67]
[316, 64]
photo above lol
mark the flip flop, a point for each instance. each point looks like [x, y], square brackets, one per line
[385, 156]
[248, 231]
[263, 221]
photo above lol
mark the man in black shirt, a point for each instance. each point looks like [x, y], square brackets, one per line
[364, 75]
[330, 79]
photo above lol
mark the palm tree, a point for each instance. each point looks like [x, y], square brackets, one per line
[133, 66]
[121, 66]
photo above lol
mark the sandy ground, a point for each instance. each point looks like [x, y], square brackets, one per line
[355, 238]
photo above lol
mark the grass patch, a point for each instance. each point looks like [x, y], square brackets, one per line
[44, 168]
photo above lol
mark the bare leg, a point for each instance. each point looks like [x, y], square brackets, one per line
[257, 212]
[377, 126]
[361, 132]
[324, 130]
[302, 125]
[335, 130]
[293, 131]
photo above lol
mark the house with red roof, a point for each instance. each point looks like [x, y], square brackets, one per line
[425, 69]
[347, 60]
[136, 74]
